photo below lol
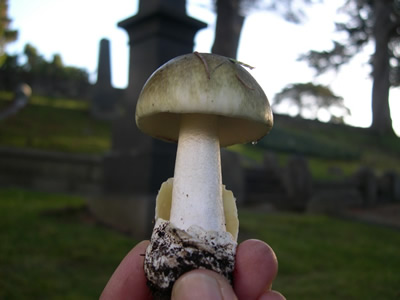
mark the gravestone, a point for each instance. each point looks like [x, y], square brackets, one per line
[366, 182]
[104, 95]
[159, 32]
[389, 187]
[334, 200]
[137, 164]
[298, 183]
[396, 188]
[274, 179]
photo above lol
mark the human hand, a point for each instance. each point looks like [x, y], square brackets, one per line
[255, 268]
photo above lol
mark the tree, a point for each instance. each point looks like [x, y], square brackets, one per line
[6, 34]
[311, 98]
[35, 62]
[228, 28]
[57, 61]
[45, 77]
[231, 15]
[376, 21]
[9, 72]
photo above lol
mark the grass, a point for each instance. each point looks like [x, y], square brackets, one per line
[50, 250]
[332, 152]
[325, 258]
[76, 104]
[55, 124]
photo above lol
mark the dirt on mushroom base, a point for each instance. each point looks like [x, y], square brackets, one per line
[173, 252]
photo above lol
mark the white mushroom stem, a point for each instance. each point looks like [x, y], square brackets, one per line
[197, 191]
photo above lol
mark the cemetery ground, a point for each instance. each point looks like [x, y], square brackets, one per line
[54, 124]
[51, 247]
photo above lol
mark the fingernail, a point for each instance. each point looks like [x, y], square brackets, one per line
[196, 286]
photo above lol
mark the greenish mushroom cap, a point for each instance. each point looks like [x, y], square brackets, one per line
[204, 84]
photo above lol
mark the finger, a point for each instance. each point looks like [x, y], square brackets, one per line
[255, 269]
[272, 295]
[202, 284]
[128, 280]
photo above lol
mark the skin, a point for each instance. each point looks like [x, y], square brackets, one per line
[255, 269]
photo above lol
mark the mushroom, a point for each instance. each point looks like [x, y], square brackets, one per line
[202, 102]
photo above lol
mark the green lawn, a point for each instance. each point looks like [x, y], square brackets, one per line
[56, 125]
[332, 153]
[65, 125]
[326, 258]
[50, 249]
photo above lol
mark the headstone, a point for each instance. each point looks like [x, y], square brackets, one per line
[389, 187]
[396, 188]
[137, 164]
[366, 182]
[298, 183]
[159, 32]
[177, 7]
[333, 201]
[274, 180]
[104, 66]
[270, 163]
[103, 104]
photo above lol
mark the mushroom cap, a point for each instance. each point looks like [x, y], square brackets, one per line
[204, 84]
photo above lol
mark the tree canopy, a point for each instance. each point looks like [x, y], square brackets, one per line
[231, 15]
[7, 35]
[368, 21]
[311, 98]
[45, 76]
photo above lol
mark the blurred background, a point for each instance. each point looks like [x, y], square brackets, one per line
[78, 181]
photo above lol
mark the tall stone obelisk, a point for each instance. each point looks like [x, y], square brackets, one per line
[159, 32]
[104, 95]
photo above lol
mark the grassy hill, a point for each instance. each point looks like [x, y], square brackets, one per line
[333, 151]
[54, 124]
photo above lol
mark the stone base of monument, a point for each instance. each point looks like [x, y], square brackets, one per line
[127, 173]
[132, 214]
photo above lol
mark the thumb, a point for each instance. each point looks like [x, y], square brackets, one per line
[202, 284]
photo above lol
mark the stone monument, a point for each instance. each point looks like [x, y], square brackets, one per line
[105, 97]
[137, 164]
[159, 32]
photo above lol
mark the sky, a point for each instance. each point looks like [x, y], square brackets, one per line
[74, 28]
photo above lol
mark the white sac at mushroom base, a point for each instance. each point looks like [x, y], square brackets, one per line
[164, 203]
[173, 251]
